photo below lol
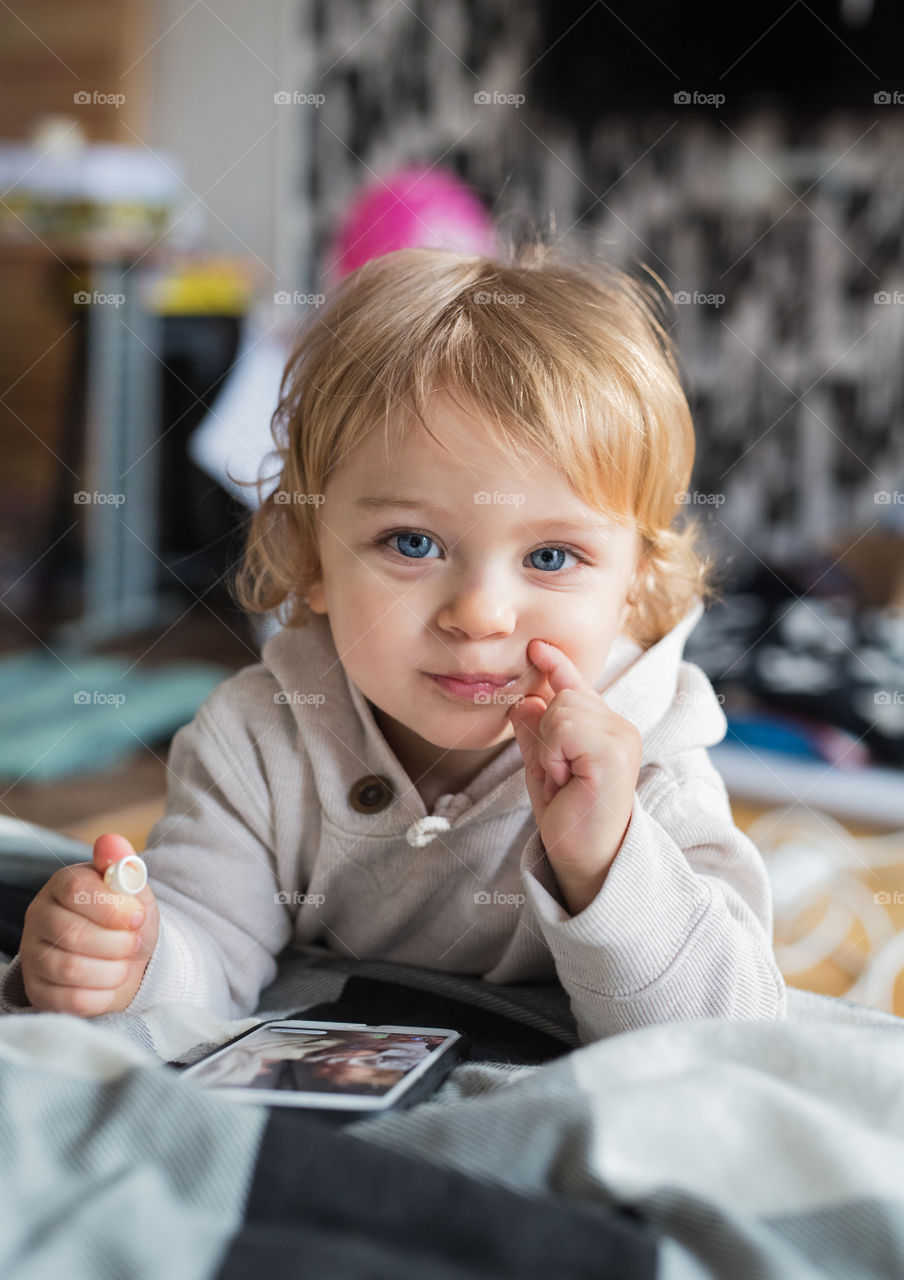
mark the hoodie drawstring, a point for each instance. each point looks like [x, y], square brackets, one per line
[446, 810]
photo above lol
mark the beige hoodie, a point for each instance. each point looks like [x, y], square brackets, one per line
[290, 820]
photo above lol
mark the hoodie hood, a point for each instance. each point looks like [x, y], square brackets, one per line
[670, 701]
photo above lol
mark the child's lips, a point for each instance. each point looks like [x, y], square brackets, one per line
[473, 677]
[471, 684]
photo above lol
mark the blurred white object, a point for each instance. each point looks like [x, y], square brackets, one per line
[813, 861]
[872, 794]
[106, 194]
[234, 438]
[58, 135]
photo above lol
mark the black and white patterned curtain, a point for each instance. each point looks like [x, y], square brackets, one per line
[779, 236]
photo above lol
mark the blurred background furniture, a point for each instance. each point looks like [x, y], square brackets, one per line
[752, 159]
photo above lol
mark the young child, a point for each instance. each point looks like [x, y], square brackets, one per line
[474, 744]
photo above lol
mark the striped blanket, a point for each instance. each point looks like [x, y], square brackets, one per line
[696, 1149]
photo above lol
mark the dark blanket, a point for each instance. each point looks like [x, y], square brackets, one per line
[324, 1204]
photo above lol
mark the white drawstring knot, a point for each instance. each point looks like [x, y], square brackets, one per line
[425, 830]
[446, 810]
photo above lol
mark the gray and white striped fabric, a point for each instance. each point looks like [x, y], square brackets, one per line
[756, 1149]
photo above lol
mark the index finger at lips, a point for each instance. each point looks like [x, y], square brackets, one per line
[83, 892]
[555, 665]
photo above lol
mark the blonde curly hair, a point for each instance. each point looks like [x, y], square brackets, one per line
[577, 366]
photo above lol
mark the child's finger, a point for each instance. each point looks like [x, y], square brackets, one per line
[51, 997]
[80, 889]
[555, 665]
[58, 927]
[69, 969]
[553, 761]
[525, 717]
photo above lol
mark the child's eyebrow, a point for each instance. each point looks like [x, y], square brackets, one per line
[410, 504]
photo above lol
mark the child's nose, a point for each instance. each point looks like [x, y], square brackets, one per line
[480, 608]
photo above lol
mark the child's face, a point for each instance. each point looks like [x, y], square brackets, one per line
[462, 584]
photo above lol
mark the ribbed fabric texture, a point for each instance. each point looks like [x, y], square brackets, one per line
[753, 1149]
[262, 846]
[111, 1166]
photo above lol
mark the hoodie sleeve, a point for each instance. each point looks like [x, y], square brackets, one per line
[211, 867]
[682, 927]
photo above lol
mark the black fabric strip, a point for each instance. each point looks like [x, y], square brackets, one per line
[494, 1038]
[14, 901]
[324, 1203]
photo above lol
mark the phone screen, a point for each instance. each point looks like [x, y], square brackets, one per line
[360, 1062]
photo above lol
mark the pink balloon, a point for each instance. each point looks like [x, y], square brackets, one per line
[411, 208]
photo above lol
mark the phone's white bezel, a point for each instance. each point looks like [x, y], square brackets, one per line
[365, 1103]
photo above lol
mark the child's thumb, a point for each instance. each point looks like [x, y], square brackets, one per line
[110, 848]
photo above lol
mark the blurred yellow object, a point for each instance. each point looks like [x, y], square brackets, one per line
[133, 821]
[212, 286]
[838, 906]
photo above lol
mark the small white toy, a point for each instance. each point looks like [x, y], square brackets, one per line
[128, 875]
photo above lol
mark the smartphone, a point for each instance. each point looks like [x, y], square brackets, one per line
[344, 1069]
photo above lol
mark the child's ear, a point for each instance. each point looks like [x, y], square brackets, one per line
[316, 597]
[632, 596]
[626, 609]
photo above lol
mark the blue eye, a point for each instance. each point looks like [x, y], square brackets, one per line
[413, 545]
[549, 555]
[416, 544]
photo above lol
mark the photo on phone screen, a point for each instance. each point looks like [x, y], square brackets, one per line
[327, 1062]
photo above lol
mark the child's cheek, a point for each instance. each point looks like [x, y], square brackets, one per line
[579, 634]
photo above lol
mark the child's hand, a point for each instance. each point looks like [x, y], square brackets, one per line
[581, 762]
[81, 953]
